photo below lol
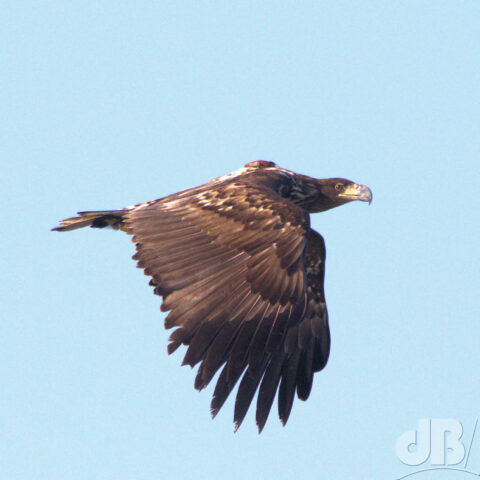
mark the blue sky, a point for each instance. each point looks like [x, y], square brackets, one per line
[107, 104]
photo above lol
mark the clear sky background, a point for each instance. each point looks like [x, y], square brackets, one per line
[107, 104]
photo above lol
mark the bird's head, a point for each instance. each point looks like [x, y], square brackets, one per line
[318, 195]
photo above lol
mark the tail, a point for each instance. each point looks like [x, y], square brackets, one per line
[108, 218]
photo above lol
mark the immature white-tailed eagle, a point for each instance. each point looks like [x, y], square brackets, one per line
[242, 274]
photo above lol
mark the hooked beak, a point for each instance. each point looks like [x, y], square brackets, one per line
[357, 192]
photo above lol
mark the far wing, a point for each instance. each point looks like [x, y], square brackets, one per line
[308, 345]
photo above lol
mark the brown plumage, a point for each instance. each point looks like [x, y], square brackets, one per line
[241, 273]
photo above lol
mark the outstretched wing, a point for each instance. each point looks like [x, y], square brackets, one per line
[229, 263]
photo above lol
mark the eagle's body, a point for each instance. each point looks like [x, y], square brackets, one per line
[242, 273]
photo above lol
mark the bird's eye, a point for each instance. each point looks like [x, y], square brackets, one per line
[339, 187]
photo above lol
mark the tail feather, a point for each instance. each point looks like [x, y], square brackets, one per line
[100, 219]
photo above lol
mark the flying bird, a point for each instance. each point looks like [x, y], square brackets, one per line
[241, 273]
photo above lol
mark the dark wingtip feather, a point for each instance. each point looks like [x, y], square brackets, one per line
[286, 393]
[305, 372]
[246, 391]
[172, 347]
[186, 362]
[268, 389]
[199, 383]
[220, 393]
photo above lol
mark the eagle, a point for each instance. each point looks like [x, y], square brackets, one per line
[241, 273]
